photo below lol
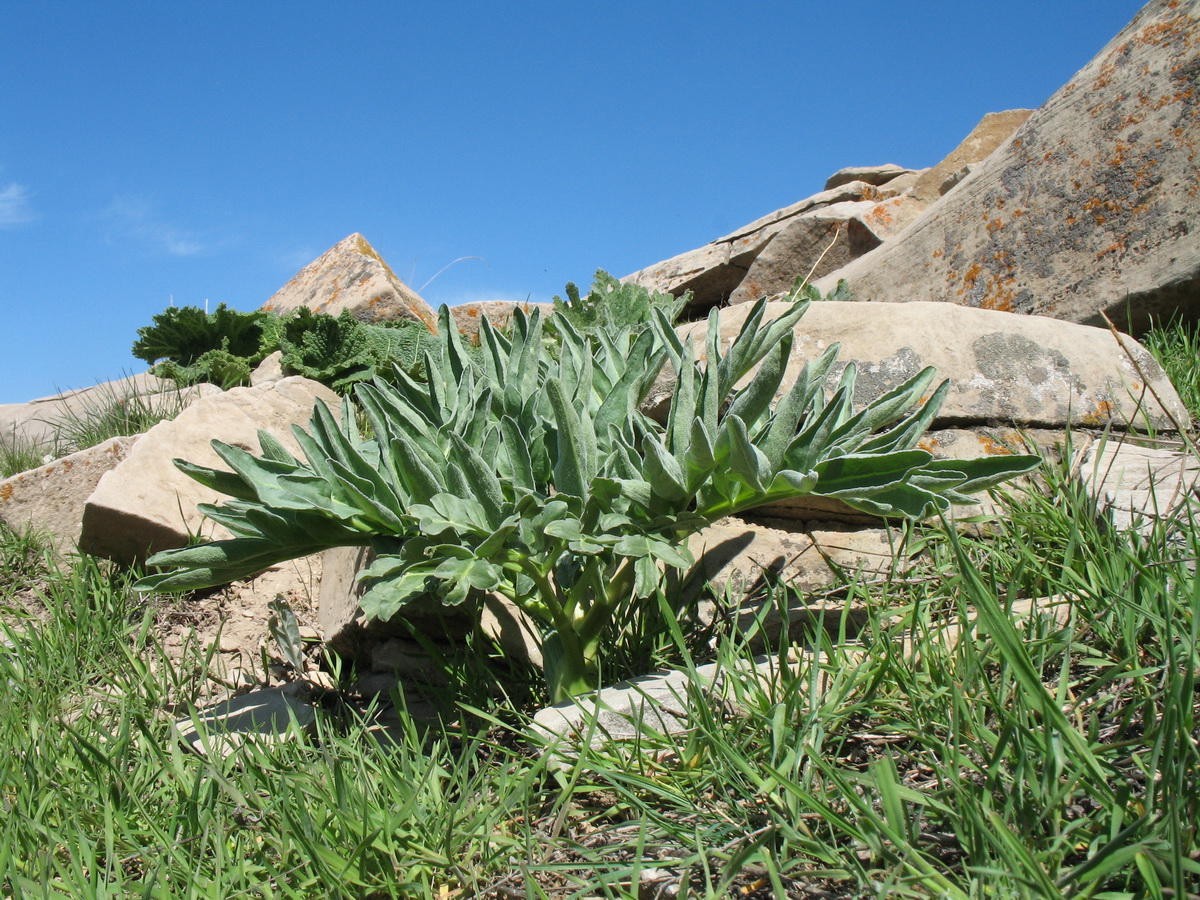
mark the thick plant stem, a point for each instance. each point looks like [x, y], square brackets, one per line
[568, 673]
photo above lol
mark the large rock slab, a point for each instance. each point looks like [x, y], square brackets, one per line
[992, 131]
[1031, 371]
[876, 175]
[737, 562]
[740, 559]
[1138, 486]
[819, 242]
[713, 271]
[39, 421]
[51, 498]
[499, 314]
[653, 707]
[146, 504]
[1089, 209]
[352, 275]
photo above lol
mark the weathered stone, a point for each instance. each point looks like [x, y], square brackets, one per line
[146, 504]
[352, 275]
[901, 184]
[823, 239]
[737, 561]
[38, 421]
[992, 131]
[271, 714]
[649, 705]
[663, 703]
[1138, 486]
[499, 314]
[269, 370]
[1089, 209]
[713, 271]
[51, 498]
[512, 628]
[889, 217]
[1025, 370]
[875, 175]
[351, 634]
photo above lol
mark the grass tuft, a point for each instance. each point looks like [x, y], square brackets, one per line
[1176, 345]
[1017, 716]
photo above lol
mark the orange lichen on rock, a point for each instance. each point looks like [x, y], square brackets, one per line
[993, 447]
[1100, 414]
[6, 492]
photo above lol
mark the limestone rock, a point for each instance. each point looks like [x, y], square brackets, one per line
[737, 561]
[992, 131]
[352, 275]
[651, 704]
[738, 558]
[663, 703]
[713, 271]
[1139, 485]
[269, 370]
[1088, 209]
[51, 498]
[146, 504]
[889, 217]
[826, 238]
[498, 312]
[899, 201]
[37, 421]
[351, 634]
[901, 184]
[1025, 370]
[875, 175]
[271, 714]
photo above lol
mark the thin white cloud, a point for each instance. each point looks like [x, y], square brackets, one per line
[14, 206]
[296, 260]
[135, 219]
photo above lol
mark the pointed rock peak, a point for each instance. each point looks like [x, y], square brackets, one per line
[351, 275]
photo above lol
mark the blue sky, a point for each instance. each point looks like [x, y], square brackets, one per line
[207, 151]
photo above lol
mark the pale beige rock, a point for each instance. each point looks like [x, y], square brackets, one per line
[875, 175]
[269, 370]
[992, 131]
[736, 562]
[268, 715]
[1028, 370]
[826, 239]
[740, 559]
[903, 195]
[351, 634]
[713, 271]
[901, 184]
[889, 217]
[352, 275]
[51, 498]
[663, 703]
[146, 504]
[1140, 485]
[38, 420]
[499, 314]
[1089, 209]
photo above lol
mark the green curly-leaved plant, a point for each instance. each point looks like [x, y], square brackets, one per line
[534, 474]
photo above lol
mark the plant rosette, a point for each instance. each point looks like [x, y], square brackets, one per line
[528, 470]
